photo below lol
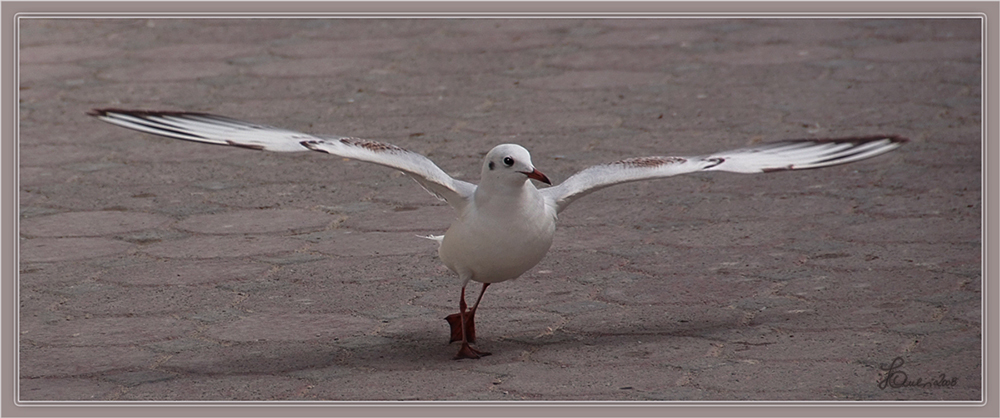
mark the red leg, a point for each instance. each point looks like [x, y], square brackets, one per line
[466, 351]
[455, 320]
[470, 324]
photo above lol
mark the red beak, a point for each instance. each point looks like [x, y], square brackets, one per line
[537, 175]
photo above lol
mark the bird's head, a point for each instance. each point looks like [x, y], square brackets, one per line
[510, 165]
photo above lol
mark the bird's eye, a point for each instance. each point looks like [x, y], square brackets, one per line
[507, 161]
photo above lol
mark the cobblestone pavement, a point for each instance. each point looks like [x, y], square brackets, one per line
[155, 269]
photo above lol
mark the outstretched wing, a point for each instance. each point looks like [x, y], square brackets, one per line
[798, 154]
[220, 130]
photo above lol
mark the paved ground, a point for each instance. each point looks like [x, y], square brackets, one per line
[154, 269]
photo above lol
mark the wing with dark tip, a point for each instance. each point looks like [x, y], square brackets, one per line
[221, 130]
[799, 154]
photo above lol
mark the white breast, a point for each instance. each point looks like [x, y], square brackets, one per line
[497, 240]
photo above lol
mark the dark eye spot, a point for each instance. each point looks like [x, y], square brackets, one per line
[492, 165]
[507, 161]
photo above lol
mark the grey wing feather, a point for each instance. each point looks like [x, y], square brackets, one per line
[221, 130]
[796, 154]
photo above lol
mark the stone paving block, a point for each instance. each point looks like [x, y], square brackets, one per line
[237, 388]
[326, 295]
[895, 284]
[278, 195]
[667, 290]
[249, 358]
[52, 72]
[784, 378]
[909, 51]
[426, 220]
[360, 243]
[526, 380]
[115, 331]
[269, 326]
[88, 197]
[398, 270]
[584, 266]
[416, 324]
[37, 176]
[351, 48]
[62, 249]
[136, 378]
[403, 196]
[773, 55]
[311, 67]
[197, 52]
[180, 345]
[911, 230]
[815, 346]
[35, 306]
[635, 37]
[215, 246]
[596, 80]
[173, 71]
[656, 350]
[177, 272]
[83, 224]
[526, 326]
[107, 300]
[56, 155]
[55, 273]
[52, 54]
[639, 320]
[400, 385]
[56, 389]
[256, 222]
[60, 362]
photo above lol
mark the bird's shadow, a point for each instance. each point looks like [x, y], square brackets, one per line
[417, 350]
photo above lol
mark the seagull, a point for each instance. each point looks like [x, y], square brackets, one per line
[504, 225]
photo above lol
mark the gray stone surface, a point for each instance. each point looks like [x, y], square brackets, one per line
[154, 269]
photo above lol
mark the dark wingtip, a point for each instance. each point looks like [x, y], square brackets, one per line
[147, 113]
[254, 147]
[854, 140]
[777, 169]
[862, 139]
[107, 110]
[104, 111]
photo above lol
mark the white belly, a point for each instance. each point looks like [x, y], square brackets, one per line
[500, 249]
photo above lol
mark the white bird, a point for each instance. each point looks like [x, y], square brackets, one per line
[505, 225]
